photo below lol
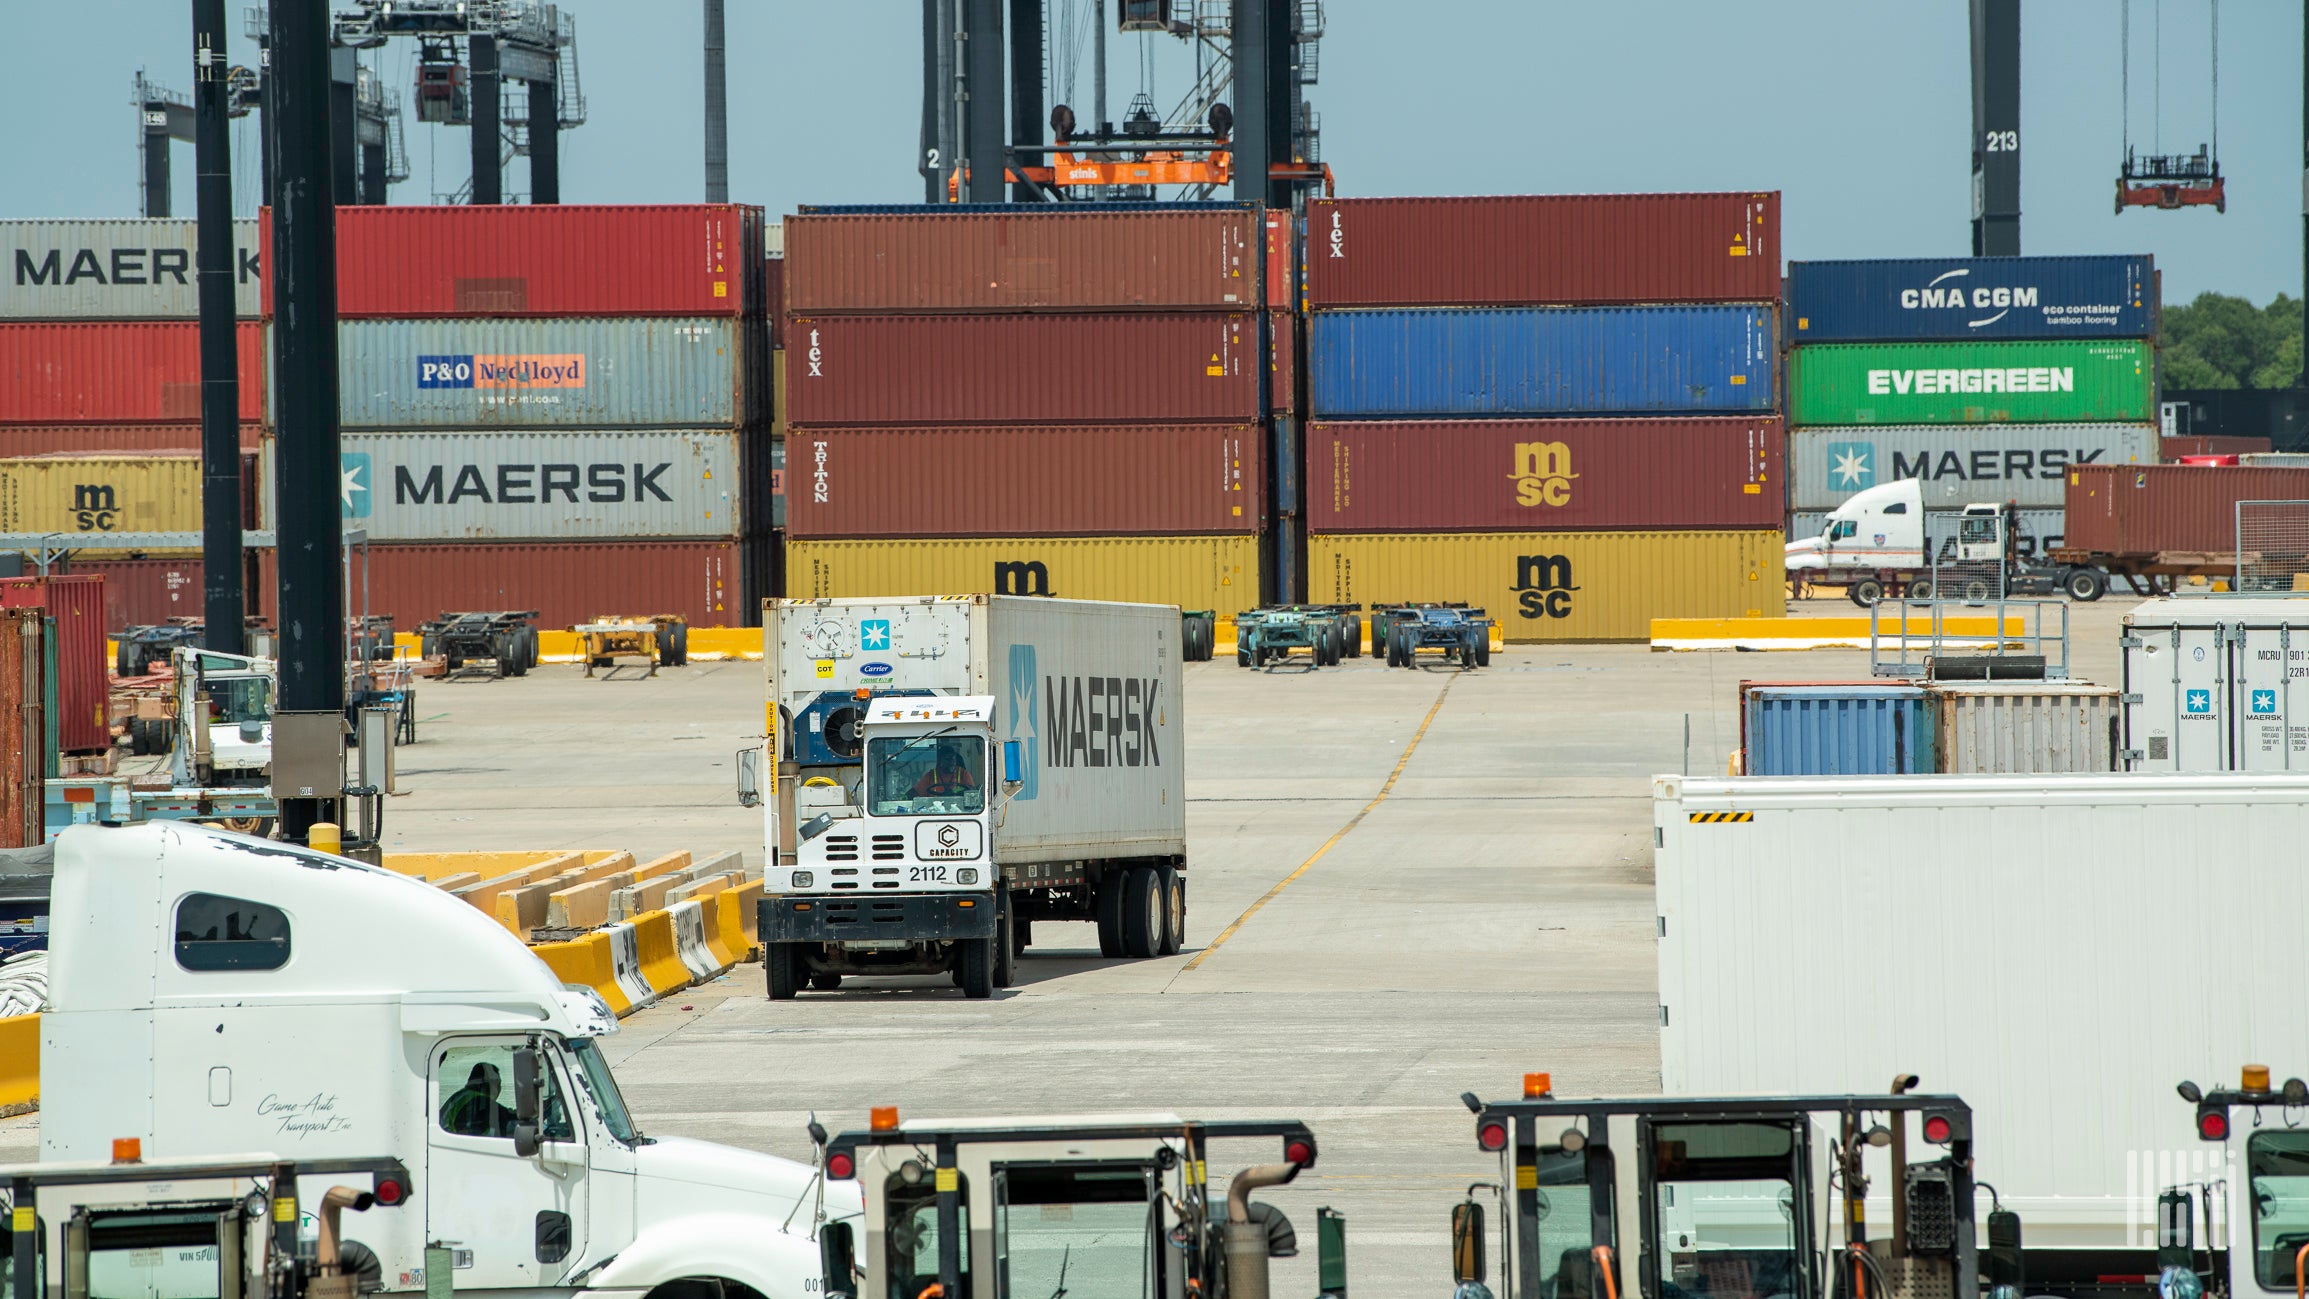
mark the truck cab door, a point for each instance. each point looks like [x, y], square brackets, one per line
[1726, 1209]
[511, 1220]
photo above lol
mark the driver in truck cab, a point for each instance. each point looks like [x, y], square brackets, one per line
[950, 775]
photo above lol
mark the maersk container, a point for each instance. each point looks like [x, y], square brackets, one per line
[116, 270]
[1972, 383]
[1834, 729]
[2038, 532]
[2023, 728]
[1957, 464]
[116, 372]
[539, 486]
[2217, 683]
[1494, 362]
[1935, 299]
[621, 372]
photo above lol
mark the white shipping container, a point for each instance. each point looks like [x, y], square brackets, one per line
[1957, 464]
[2060, 951]
[1994, 728]
[2217, 683]
[541, 486]
[115, 270]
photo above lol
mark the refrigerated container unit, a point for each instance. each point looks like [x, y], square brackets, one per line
[1939, 299]
[125, 269]
[116, 372]
[2217, 683]
[1957, 464]
[2063, 382]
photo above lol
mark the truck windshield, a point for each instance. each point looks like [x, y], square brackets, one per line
[916, 776]
[594, 1072]
[1724, 1211]
[240, 699]
[1080, 1230]
[2279, 1164]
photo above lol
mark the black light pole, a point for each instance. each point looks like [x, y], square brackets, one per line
[220, 448]
[488, 103]
[717, 107]
[1026, 89]
[1996, 128]
[544, 143]
[983, 137]
[308, 724]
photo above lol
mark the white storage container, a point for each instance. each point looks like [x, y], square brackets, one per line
[1994, 728]
[2216, 683]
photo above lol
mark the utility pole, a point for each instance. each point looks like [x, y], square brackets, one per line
[544, 142]
[1098, 66]
[217, 259]
[1026, 89]
[488, 103]
[717, 108]
[982, 133]
[309, 721]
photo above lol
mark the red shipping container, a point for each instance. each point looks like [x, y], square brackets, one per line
[1046, 481]
[552, 260]
[110, 439]
[2174, 448]
[1543, 250]
[1282, 362]
[1279, 243]
[116, 372]
[566, 583]
[1033, 258]
[1154, 368]
[1552, 474]
[2154, 509]
[774, 298]
[83, 679]
[140, 592]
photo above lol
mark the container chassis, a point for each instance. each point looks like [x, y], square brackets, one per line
[1328, 632]
[1456, 632]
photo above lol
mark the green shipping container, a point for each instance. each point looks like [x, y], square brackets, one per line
[1972, 383]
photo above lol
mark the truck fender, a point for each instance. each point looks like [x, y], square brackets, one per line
[776, 1260]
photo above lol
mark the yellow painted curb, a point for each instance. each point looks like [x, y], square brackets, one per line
[19, 1063]
[1820, 628]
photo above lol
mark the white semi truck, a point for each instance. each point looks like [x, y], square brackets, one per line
[942, 772]
[214, 994]
[1873, 545]
[2060, 950]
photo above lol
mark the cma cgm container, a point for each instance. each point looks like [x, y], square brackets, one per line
[76, 604]
[1532, 249]
[1834, 729]
[104, 439]
[1935, 299]
[1446, 363]
[1220, 573]
[550, 260]
[1972, 383]
[2147, 509]
[115, 270]
[1559, 585]
[1531, 475]
[566, 582]
[1007, 257]
[628, 371]
[116, 372]
[559, 485]
[1151, 368]
[1026, 481]
[1958, 464]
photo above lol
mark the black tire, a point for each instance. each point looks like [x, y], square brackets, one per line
[1920, 589]
[2085, 584]
[452, 663]
[976, 956]
[528, 648]
[681, 646]
[120, 659]
[665, 649]
[1110, 900]
[1483, 647]
[1866, 592]
[428, 646]
[408, 734]
[1021, 936]
[1976, 591]
[1142, 913]
[1191, 641]
[1353, 629]
[1174, 891]
[601, 661]
[1005, 949]
[784, 967]
[825, 982]
[136, 737]
[1399, 643]
[1242, 651]
[1337, 639]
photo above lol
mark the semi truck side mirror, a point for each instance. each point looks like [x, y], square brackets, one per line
[1467, 1261]
[2002, 1259]
[1013, 764]
[749, 778]
[526, 1102]
[837, 1260]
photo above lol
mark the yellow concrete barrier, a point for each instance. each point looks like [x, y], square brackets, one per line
[1702, 633]
[484, 895]
[740, 917]
[661, 962]
[452, 883]
[725, 643]
[19, 1063]
[433, 865]
[587, 961]
[649, 870]
[584, 905]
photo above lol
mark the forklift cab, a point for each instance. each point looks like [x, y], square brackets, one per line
[2253, 1205]
[1026, 1209]
[1671, 1198]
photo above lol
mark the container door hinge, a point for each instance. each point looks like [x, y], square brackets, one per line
[1663, 926]
[1663, 1014]
[2132, 755]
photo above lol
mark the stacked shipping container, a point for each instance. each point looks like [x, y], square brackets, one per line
[1030, 401]
[1561, 408]
[1986, 378]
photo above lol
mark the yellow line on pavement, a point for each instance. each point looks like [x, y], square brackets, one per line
[1341, 833]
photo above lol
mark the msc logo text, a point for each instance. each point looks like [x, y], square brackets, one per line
[95, 507]
[1542, 473]
[1021, 577]
[1543, 585]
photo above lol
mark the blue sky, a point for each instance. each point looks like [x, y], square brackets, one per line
[1857, 109]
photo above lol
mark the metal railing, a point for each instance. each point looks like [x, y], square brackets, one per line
[1908, 649]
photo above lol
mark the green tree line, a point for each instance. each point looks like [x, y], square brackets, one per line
[2224, 342]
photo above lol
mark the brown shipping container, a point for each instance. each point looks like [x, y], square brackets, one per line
[1543, 475]
[1025, 481]
[1280, 292]
[1543, 249]
[23, 732]
[2148, 509]
[1078, 258]
[83, 669]
[1178, 368]
[567, 583]
[2173, 448]
[111, 439]
[1216, 573]
[117, 372]
[139, 592]
[1282, 362]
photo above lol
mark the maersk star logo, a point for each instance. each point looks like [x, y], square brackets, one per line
[1851, 466]
[353, 484]
[874, 634]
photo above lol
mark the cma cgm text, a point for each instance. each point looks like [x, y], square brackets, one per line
[2018, 378]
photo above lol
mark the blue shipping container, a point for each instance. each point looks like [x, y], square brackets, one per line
[1836, 730]
[1937, 299]
[1459, 362]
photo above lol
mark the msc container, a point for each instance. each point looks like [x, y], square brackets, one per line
[632, 371]
[1834, 729]
[546, 260]
[75, 604]
[116, 372]
[2217, 683]
[2039, 532]
[1931, 299]
[1192, 572]
[1559, 585]
[1957, 464]
[565, 582]
[1150, 368]
[1534, 475]
[2147, 509]
[100, 494]
[1026, 481]
[2022, 728]
[1991, 934]
[23, 744]
[1533, 249]
[115, 270]
[1443, 364]
[1972, 383]
[2173, 448]
[999, 258]
[560, 485]
[110, 439]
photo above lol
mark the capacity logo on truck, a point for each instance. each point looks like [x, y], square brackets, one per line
[1544, 586]
[1542, 473]
[558, 370]
[1025, 722]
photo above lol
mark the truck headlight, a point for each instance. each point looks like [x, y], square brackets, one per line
[967, 875]
[804, 879]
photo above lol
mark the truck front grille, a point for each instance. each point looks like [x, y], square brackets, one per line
[889, 847]
[841, 847]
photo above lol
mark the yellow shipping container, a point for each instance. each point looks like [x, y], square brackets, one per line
[1220, 573]
[1560, 585]
[76, 494]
